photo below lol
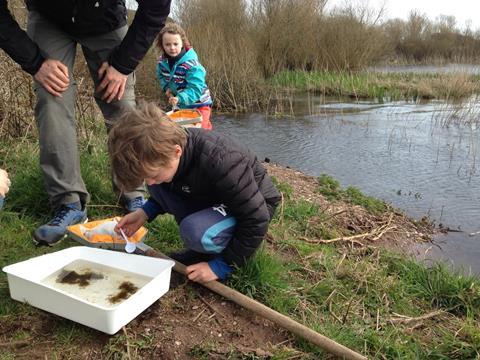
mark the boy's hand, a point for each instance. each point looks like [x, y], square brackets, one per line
[173, 100]
[200, 272]
[131, 223]
[4, 183]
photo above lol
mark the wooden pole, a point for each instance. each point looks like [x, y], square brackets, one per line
[285, 322]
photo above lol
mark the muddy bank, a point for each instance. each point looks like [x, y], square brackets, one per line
[392, 229]
[189, 322]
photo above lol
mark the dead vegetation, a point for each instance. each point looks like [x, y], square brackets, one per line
[391, 229]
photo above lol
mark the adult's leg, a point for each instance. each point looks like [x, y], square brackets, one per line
[55, 117]
[97, 49]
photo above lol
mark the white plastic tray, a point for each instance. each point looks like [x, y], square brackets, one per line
[26, 281]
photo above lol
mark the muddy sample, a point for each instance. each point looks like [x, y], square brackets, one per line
[127, 289]
[74, 278]
[96, 283]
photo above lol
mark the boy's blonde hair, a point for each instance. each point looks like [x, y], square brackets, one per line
[142, 140]
[175, 29]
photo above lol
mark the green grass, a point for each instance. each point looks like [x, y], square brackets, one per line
[353, 295]
[383, 87]
[331, 189]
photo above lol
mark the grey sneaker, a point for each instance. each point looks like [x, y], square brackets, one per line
[54, 231]
[131, 205]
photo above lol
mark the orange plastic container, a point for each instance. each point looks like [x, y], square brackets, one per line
[101, 240]
[187, 117]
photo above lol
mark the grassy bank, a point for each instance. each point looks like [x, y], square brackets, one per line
[392, 86]
[325, 263]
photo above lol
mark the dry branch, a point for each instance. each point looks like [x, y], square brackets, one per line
[403, 319]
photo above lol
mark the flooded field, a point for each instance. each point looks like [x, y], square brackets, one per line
[420, 157]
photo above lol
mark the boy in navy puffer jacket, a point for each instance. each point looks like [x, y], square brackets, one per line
[219, 193]
[181, 75]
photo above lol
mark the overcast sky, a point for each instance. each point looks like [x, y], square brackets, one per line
[463, 10]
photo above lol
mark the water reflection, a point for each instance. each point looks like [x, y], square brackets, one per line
[421, 157]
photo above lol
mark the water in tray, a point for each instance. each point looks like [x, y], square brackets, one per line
[96, 283]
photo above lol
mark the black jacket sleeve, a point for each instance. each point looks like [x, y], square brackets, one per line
[235, 181]
[149, 20]
[16, 42]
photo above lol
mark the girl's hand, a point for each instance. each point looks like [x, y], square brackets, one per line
[173, 101]
[168, 93]
[200, 272]
[131, 223]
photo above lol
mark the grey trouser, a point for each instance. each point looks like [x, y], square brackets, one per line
[55, 116]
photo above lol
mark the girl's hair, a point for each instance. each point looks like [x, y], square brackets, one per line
[175, 29]
[142, 140]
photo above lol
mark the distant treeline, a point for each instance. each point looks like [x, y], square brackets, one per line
[300, 34]
[244, 43]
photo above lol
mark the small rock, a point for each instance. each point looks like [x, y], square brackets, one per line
[195, 307]
[178, 343]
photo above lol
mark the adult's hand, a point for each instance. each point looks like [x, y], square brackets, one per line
[53, 76]
[4, 183]
[112, 84]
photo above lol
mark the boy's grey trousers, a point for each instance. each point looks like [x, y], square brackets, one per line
[55, 116]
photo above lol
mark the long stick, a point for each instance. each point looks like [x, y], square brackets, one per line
[285, 322]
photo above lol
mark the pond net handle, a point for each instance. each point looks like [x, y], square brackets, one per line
[281, 320]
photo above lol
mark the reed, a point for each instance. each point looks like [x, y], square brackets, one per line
[248, 47]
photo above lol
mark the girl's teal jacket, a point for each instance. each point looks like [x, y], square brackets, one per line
[186, 80]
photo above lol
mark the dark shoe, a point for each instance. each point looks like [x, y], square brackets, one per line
[131, 205]
[190, 257]
[54, 231]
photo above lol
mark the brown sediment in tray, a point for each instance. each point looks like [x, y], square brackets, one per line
[126, 290]
[82, 280]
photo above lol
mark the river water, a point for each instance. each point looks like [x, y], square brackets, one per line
[420, 157]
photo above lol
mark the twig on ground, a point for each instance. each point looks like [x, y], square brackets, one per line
[105, 206]
[403, 319]
[15, 344]
[344, 255]
[127, 342]
[198, 316]
[282, 207]
[378, 320]
[333, 314]
[375, 234]
[210, 306]
[336, 214]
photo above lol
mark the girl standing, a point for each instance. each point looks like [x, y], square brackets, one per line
[181, 75]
